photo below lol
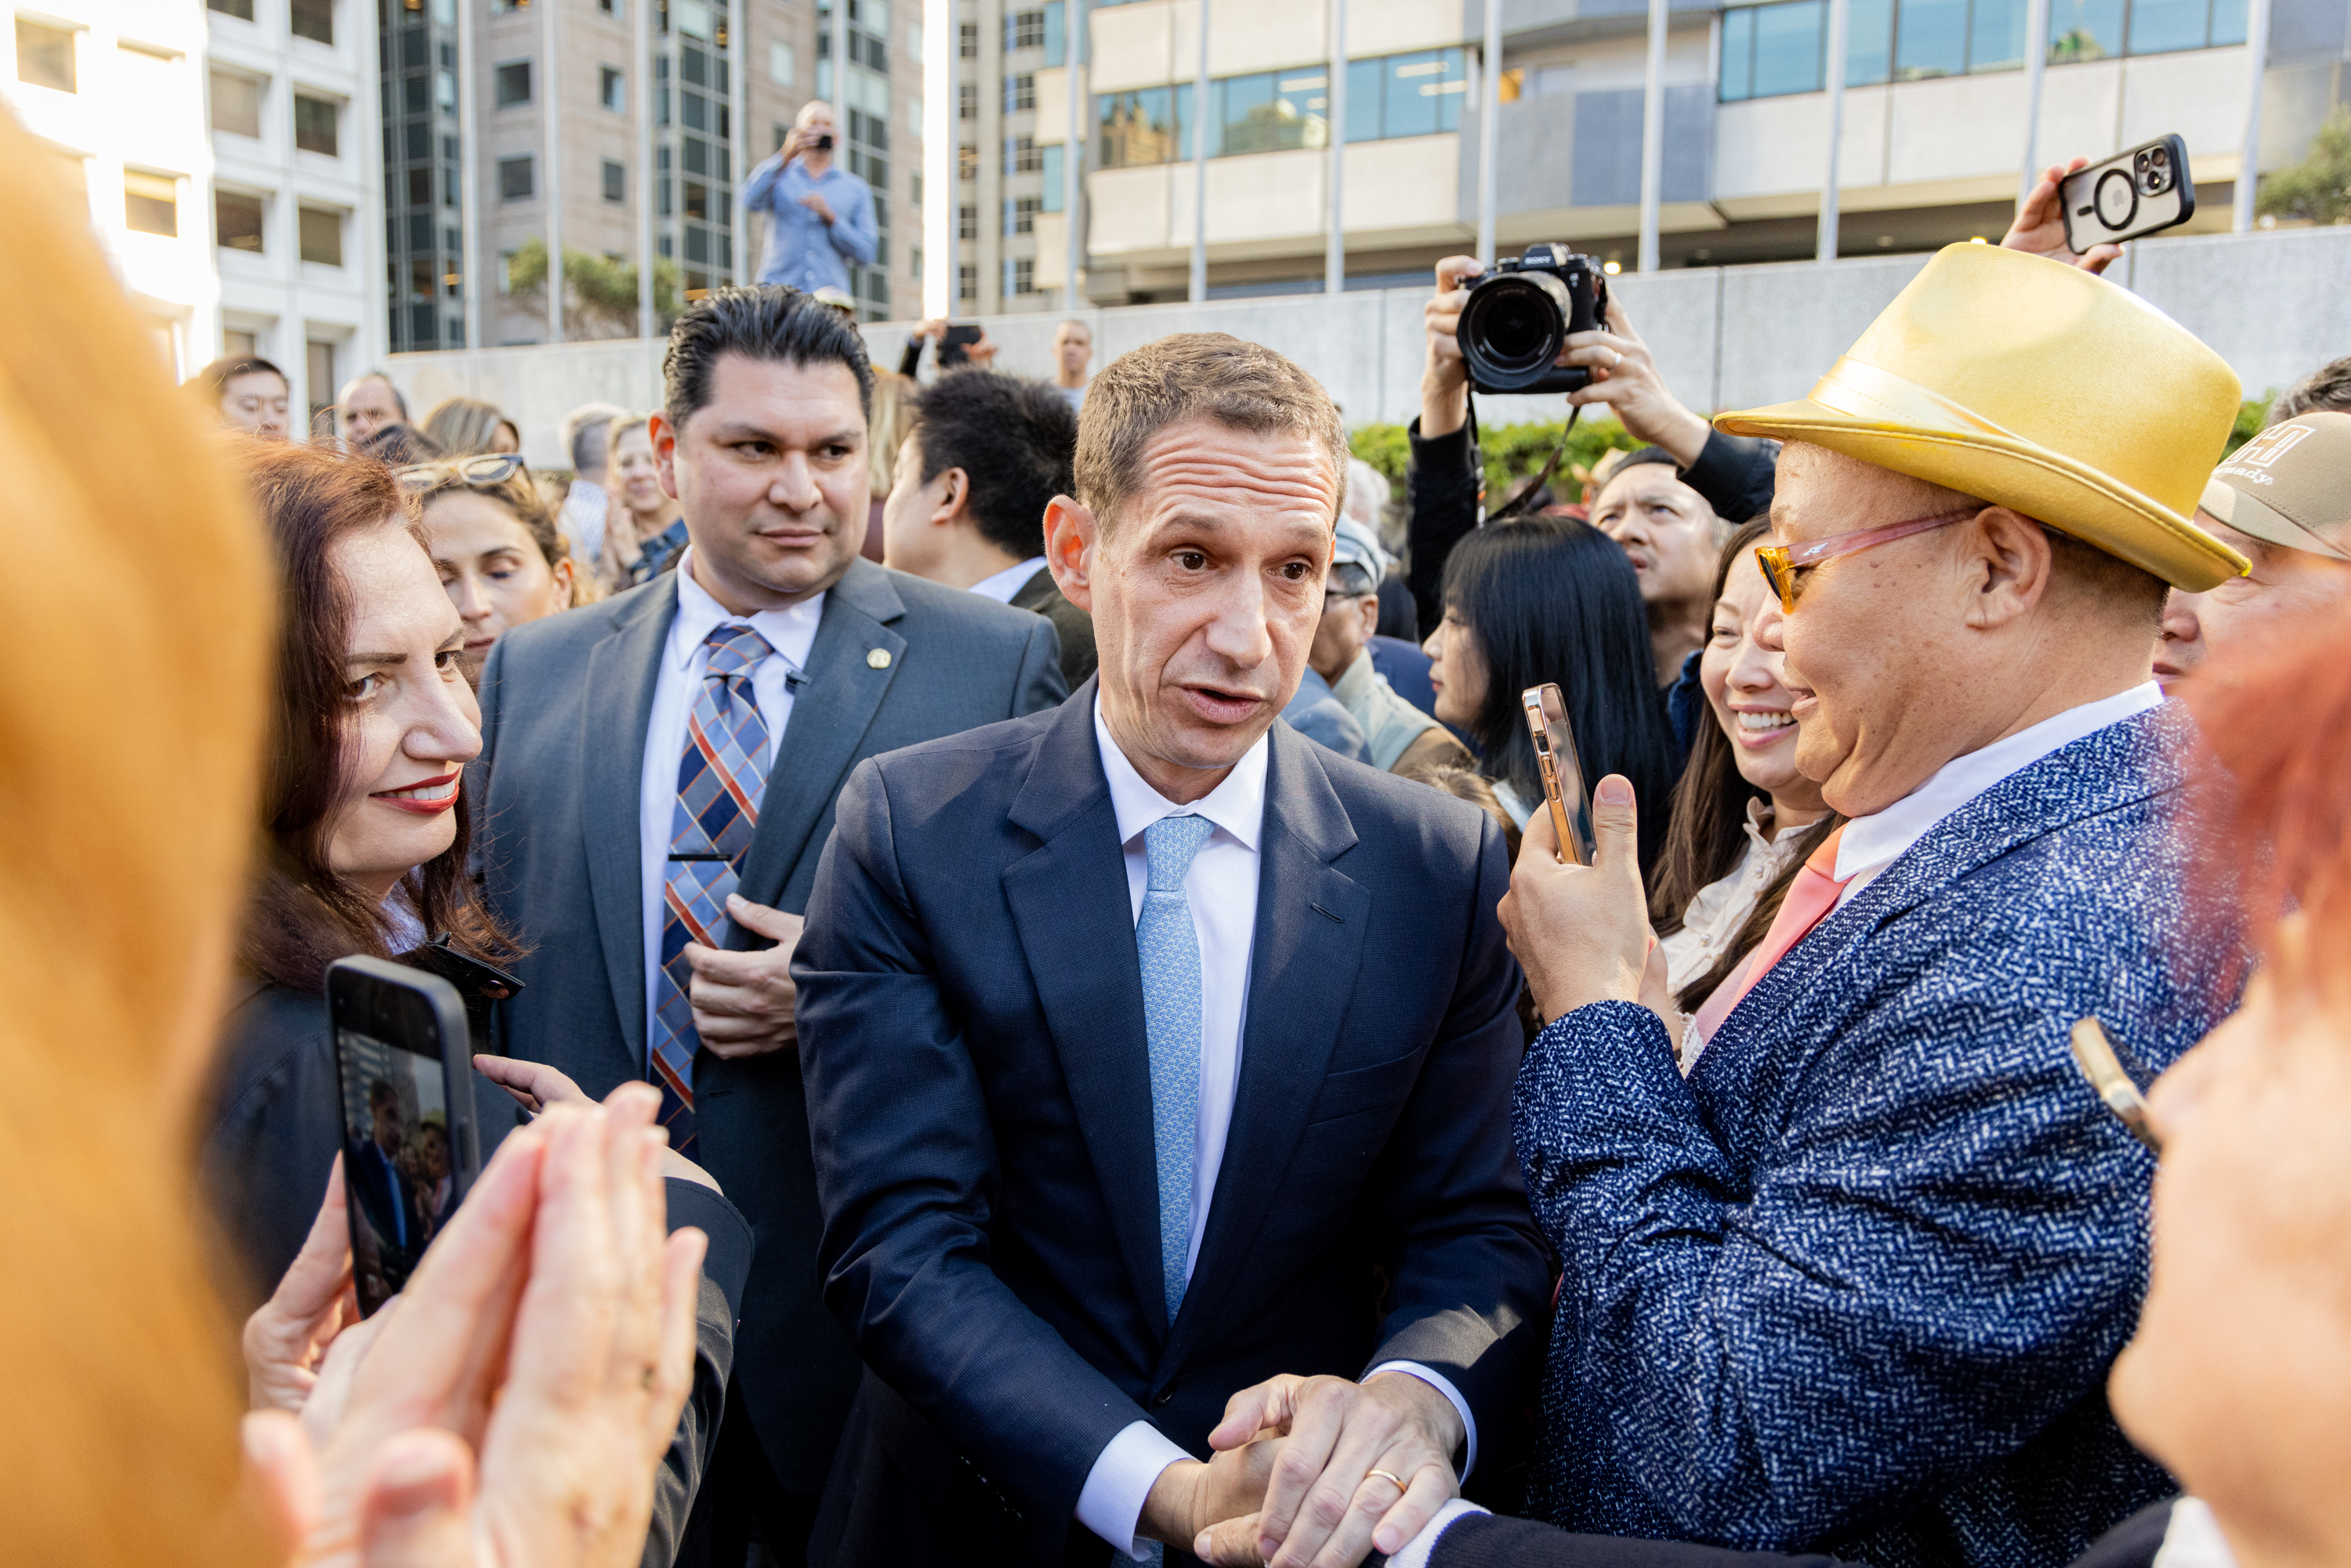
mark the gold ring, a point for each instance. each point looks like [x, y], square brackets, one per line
[1388, 1476]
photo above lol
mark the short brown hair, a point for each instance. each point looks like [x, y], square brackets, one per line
[1245, 385]
[2325, 390]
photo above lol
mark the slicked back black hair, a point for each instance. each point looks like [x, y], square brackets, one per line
[767, 321]
[1015, 440]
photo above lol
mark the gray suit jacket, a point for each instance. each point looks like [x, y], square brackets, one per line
[565, 705]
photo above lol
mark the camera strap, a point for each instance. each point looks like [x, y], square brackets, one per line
[1516, 506]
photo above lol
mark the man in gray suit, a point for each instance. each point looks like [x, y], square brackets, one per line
[657, 780]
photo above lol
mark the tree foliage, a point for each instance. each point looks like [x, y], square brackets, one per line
[2318, 188]
[1509, 452]
[599, 293]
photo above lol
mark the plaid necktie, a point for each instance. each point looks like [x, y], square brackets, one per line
[720, 780]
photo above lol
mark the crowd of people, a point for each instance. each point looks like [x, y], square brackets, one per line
[1031, 1008]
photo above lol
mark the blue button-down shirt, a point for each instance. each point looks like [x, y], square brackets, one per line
[803, 250]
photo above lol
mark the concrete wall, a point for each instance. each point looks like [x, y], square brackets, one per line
[1724, 337]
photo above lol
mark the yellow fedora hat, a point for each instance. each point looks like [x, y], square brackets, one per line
[2032, 384]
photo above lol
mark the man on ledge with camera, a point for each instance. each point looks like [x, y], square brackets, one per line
[1854, 1286]
[820, 215]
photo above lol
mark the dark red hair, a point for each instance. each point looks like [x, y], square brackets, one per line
[302, 916]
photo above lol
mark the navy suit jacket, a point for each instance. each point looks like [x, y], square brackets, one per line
[979, 1092]
[1856, 1285]
[565, 705]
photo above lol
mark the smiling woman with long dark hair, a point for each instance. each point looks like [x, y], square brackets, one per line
[365, 830]
[1552, 600]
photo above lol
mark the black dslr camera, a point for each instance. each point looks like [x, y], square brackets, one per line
[1520, 315]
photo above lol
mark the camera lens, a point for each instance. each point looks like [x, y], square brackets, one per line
[1512, 328]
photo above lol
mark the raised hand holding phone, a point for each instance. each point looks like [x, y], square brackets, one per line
[1562, 771]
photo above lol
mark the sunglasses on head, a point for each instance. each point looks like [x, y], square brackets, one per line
[1781, 563]
[491, 468]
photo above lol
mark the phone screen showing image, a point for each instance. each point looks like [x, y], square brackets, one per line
[400, 1164]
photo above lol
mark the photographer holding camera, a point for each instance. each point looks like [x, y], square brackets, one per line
[820, 215]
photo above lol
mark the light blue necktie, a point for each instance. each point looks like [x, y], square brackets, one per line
[1170, 950]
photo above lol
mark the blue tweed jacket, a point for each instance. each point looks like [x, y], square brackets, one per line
[1856, 1285]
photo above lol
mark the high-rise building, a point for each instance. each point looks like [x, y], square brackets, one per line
[517, 131]
[228, 158]
[1934, 113]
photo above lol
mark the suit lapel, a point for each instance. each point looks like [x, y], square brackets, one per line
[622, 671]
[1035, 592]
[831, 714]
[1311, 922]
[1076, 922]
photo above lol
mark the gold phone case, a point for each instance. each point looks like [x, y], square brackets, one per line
[1562, 770]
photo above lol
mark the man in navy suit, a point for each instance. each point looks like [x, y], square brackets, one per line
[657, 778]
[1159, 1060]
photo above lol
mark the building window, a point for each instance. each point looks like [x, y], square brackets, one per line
[967, 100]
[322, 235]
[240, 9]
[517, 179]
[968, 161]
[506, 271]
[45, 55]
[783, 65]
[420, 187]
[1054, 177]
[150, 204]
[968, 47]
[1145, 126]
[1024, 30]
[612, 90]
[1019, 275]
[616, 182]
[1019, 93]
[315, 20]
[1020, 155]
[1020, 215]
[236, 221]
[236, 104]
[514, 83]
[608, 7]
[966, 223]
[314, 124]
[1416, 94]
[966, 282]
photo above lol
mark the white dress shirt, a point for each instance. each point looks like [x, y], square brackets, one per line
[1001, 586]
[1221, 887]
[1872, 844]
[685, 659]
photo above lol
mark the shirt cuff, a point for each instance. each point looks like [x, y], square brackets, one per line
[1416, 1553]
[1110, 1504]
[1445, 1386]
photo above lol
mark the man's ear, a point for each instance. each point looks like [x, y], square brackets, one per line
[1072, 541]
[952, 499]
[2008, 559]
[1368, 607]
[663, 435]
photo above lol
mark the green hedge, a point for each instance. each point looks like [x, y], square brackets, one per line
[1510, 451]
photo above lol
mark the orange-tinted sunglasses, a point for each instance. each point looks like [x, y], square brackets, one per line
[1780, 563]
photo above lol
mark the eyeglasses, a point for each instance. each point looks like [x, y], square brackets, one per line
[1780, 563]
[491, 468]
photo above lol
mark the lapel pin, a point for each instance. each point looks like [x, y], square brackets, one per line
[878, 659]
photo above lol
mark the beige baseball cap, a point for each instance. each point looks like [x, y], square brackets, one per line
[2288, 483]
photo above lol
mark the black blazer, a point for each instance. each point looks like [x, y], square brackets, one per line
[565, 705]
[1042, 595]
[972, 1032]
[269, 1146]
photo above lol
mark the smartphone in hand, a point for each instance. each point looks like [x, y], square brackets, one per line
[1562, 771]
[404, 1066]
[2131, 193]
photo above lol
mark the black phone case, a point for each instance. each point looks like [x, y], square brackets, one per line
[2069, 196]
[362, 995]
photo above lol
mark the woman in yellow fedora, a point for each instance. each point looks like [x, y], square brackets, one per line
[1854, 1287]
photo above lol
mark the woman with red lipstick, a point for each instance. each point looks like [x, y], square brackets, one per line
[365, 832]
[1743, 818]
[502, 558]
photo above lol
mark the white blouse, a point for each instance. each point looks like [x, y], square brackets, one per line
[1713, 920]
